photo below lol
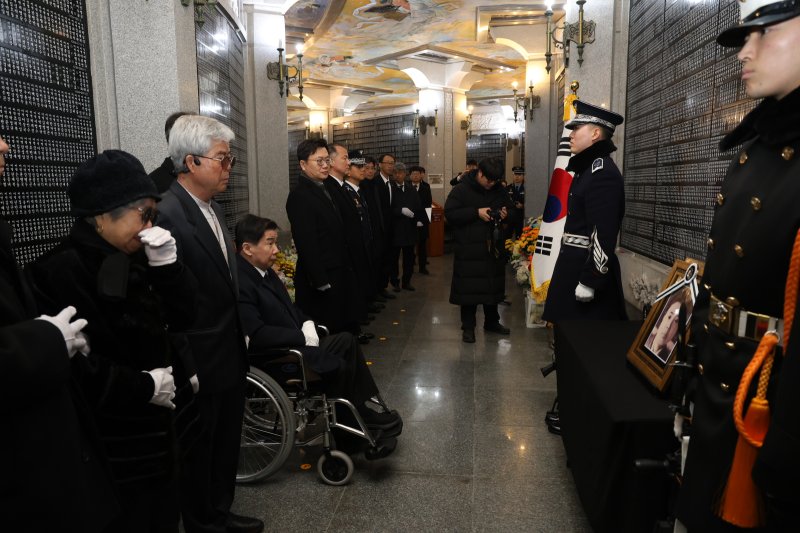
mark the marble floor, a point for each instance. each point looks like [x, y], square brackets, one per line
[474, 455]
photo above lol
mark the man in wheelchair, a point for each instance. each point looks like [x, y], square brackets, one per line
[272, 321]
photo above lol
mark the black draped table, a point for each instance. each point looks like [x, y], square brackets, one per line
[610, 417]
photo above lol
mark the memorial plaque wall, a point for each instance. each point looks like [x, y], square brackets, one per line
[46, 116]
[376, 136]
[684, 95]
[488, 145]
[220, 79]
[295, 138]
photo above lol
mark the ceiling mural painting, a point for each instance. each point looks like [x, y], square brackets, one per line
[359, 42]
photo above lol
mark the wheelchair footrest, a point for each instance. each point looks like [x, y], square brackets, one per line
[383, 448]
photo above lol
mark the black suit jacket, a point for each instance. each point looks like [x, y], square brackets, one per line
[49, 451]
[213, 346]
[271, 320]
[386, 205]
[425, 196]
[164, 175]
[404, 231]
[322, 256]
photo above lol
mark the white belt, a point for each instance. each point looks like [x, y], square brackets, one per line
[578, 241]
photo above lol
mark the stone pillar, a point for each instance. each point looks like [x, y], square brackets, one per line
[143, 62]
[540, 147]
[268, 140]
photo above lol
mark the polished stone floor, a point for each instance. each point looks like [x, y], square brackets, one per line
[474, 455]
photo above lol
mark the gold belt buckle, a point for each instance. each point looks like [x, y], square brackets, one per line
[721, 315]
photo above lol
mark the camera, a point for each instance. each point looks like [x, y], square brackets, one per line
[494, 215]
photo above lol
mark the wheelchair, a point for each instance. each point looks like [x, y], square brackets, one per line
[278, 417]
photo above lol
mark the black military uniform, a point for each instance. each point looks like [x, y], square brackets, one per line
[595, 209]
[516, 192]
[755, 222]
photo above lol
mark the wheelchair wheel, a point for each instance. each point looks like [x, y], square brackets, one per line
[335, 467]
[268, 428]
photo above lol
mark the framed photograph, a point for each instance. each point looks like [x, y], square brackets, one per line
[436, 181]
[655, 347]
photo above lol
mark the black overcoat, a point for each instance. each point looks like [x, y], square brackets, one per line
[596, 203]
[755, 223]
[54, 475]
[478, 271]
[130, 308]
[322, 257]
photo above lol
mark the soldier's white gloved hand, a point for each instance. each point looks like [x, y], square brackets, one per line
[584, 293]
[407, 212]
[159, 246]
[310, 333]
[164, 387]
[195, 383]
[419, 224]
[71, 331]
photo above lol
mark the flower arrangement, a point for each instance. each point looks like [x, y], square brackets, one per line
[522, 250]
[285, 265]
[644, 291]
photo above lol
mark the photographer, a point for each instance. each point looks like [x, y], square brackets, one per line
[477, 210]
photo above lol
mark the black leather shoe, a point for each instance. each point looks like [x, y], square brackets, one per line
[388, 295]
[554, 427]
[363, 339]
[497, 328]
[408, 288]
[243, 524]
[369, 335]
[468, 336]
[376, 420]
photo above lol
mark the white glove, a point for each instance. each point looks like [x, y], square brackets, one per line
[164, 387]
[195, 383]
[419, 224]
[584, 293]
[310, 333]
[73, 336]
[159, 246]
[407, 212]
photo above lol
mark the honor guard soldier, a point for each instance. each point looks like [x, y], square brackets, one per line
[586, 281]
[516, 191]
[742, 297]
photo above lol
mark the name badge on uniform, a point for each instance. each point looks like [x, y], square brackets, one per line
[597, 164]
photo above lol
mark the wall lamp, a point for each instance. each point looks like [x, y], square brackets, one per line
[528, 103]
[467, 124]
[199, 15]
[286, 74]
[422, 122]
[581, 33]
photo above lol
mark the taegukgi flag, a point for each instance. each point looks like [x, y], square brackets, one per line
[548, 244]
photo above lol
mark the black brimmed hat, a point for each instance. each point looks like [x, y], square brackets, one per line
[592, 114]
[518, 170]
[757, 14]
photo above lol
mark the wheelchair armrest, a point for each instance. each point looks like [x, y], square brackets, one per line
[284, 355]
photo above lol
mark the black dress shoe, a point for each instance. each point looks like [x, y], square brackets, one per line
[387, 295]
[554, 427]
[363, 339]
[375, 308]
[243, 524]
[497, 328]
[408, 288]
[369, 335]
[468, 335]
[376, 420]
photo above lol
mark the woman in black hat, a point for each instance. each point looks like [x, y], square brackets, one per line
[123, 276]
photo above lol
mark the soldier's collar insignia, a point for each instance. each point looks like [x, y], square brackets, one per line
[597, 164]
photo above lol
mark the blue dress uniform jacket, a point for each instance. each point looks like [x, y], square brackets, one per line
[749, 246]
[595, 209]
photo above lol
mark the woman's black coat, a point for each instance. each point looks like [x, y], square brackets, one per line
[479, 264]
[131, 308]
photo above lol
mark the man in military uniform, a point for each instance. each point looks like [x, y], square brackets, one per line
[586, 282]
[516, 191]
[742, 295]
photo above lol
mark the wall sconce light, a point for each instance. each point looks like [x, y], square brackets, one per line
[467, 124]
[424, 122]
[528, 103]
[581, 33]
[415, 130]
[286, 74]
[199, 15]
[308, 128]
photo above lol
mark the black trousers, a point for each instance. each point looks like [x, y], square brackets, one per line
[148, 507]
[408, 264]
[209, 468]
[422, 248]
[352, 380]
[490, 315]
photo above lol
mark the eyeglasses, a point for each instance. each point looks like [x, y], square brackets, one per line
[321, 161]
[148, 214]
[226, 161]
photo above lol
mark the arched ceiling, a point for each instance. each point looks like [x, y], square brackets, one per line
[362, 45]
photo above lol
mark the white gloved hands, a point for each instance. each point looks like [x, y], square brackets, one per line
[407, 212]
[419, 224]
[159, 246]
[74, 338]
[584, 293]
[310, 333]
[164, 387]
[195, 383]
